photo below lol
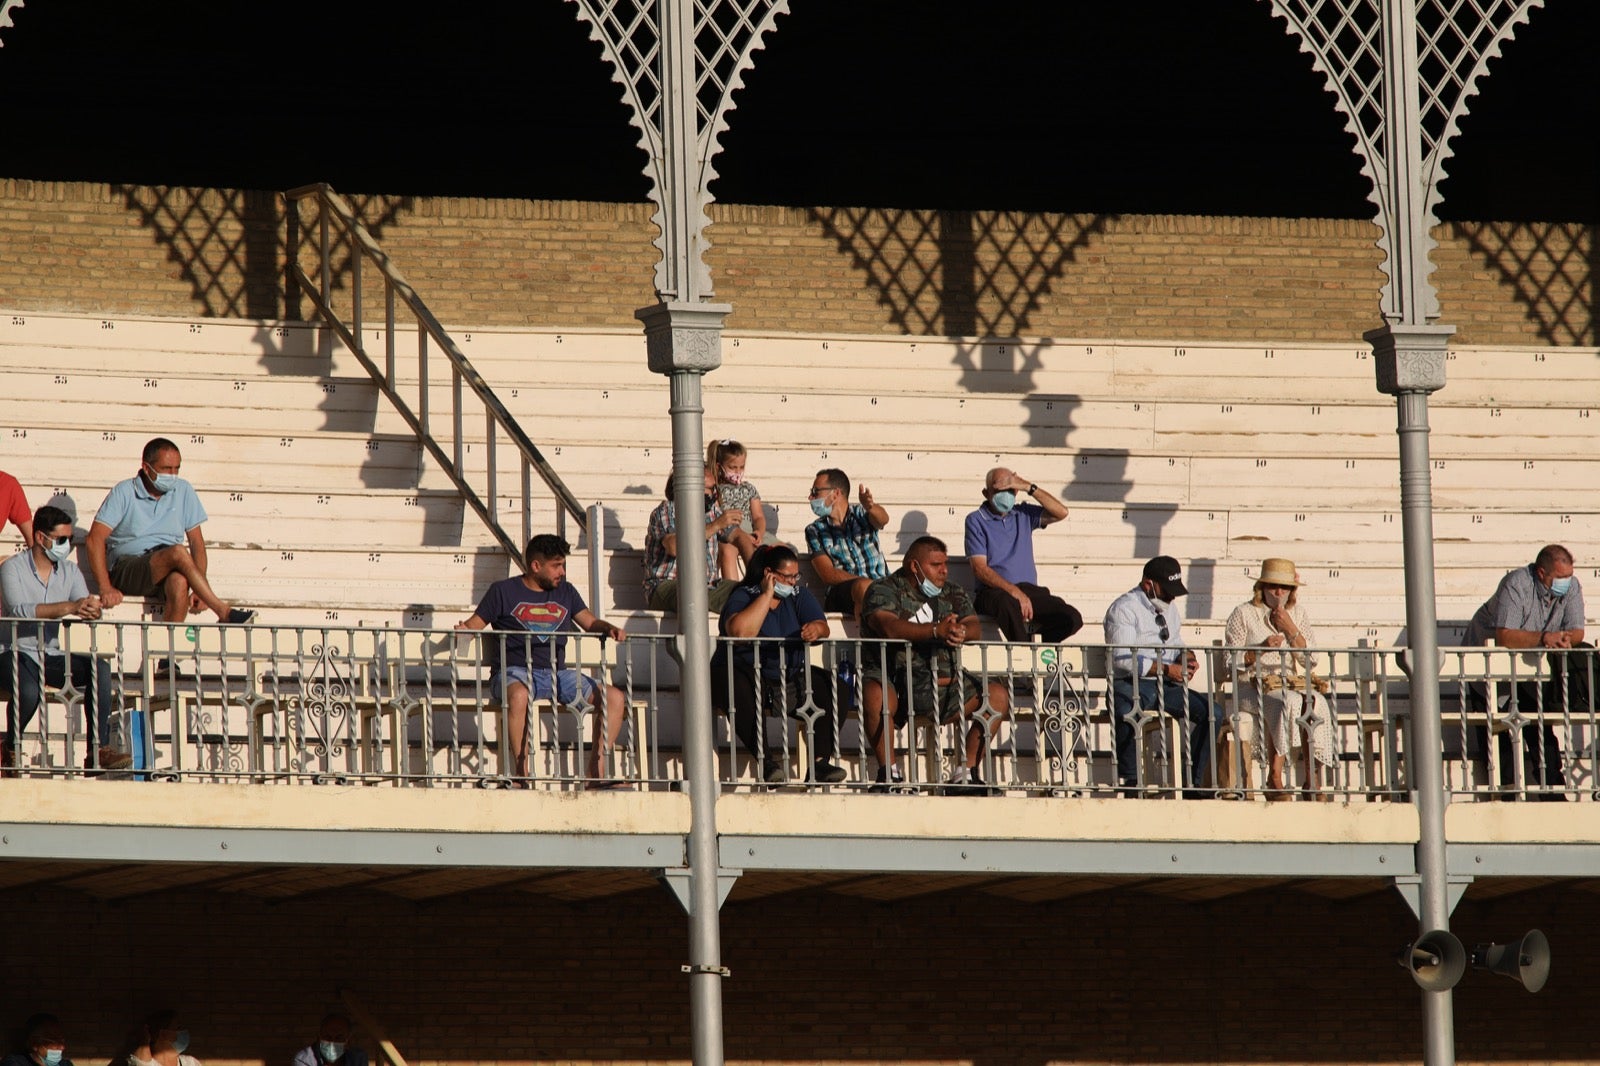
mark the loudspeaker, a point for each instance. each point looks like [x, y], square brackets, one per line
[1436, 960]
[1526, 962]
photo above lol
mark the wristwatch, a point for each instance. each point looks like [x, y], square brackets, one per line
[1033, 490]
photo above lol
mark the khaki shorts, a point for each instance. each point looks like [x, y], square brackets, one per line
[664, 597]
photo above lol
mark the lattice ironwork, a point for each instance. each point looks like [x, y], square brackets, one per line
[725, 36]
[6, 7]
[1455, 42]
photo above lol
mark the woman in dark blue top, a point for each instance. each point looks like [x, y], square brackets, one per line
[771, 673]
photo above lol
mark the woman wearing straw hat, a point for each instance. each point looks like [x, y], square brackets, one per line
[1276, 687]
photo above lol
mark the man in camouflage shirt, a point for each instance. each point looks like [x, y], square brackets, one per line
[920, 605]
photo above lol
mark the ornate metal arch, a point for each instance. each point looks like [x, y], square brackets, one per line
[6, 7]
[1455, 41]
[724, 36]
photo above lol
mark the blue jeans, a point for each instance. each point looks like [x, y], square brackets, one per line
[22, 691]
[1173, 699]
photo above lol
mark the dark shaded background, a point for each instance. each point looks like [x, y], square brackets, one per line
[1162, 107]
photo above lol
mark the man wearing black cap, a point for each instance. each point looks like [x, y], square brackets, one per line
[1144, 627]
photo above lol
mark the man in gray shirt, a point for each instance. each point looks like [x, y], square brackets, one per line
[1538, 606]
[41, 585]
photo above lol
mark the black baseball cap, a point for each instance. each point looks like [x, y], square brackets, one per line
[1165, 571]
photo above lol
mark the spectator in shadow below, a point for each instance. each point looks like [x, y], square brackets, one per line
[332, 1046]
[161, 1041]
[44, 1043]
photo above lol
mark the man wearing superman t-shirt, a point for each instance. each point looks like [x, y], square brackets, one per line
[534, 610]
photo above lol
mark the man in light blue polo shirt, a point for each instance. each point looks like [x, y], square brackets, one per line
[39, 588]
[146, 541]
[999, 546]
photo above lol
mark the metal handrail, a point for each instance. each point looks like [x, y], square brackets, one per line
[364, 247]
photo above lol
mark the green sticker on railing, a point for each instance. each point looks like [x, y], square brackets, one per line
[194, 637]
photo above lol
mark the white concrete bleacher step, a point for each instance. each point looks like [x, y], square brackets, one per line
[1327, 496]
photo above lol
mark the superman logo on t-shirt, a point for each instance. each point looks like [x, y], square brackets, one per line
[541, 619]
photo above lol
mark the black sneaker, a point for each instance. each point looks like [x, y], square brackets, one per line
[888, 781]
[970, 785]
[826, 773]
[239, 617]
[773, 773]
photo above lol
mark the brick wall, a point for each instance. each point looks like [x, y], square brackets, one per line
[176, 251]
[1124, 976]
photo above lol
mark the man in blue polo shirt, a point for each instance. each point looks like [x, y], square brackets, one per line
[999, 545]
[146, 541]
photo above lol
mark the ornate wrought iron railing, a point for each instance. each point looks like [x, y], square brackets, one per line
[418, 708]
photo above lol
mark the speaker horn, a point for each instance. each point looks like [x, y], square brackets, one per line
[1527, 961]
[1436, 960]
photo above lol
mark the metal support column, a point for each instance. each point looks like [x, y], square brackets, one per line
[1409, 357]
[684, 341]
[1411, 365]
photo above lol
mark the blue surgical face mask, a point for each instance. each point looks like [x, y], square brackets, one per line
[929, 589]
[1561, 586]
[821, 507]
[1003, 501]
[58, 552]
[783, 590]
[180, 1041]
[329, 1050]
[164, 483]
[52, 1057]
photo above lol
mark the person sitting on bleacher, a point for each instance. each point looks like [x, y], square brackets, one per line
[918, 603]
[333, 1045]
[844, 541]
[1276, 687]
[536, 607]
[999, 545]
[43, 583]
[661, 550]
[44, 1043]
[1538, 606]
[146, 541]
[1150, 668]
[771, 604]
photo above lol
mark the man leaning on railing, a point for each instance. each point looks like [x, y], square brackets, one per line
[43, 583]
[538, 606]
[918, 604]
[1538, 606]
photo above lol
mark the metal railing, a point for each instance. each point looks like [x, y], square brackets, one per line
[418, 708]
[331, 208]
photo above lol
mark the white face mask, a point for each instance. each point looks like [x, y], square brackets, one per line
[1275, 598]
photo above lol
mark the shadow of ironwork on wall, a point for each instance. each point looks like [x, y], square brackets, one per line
[229, 244]
[376, 213]
[1551, 268]
[959, 273]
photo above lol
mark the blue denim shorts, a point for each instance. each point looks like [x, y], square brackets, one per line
[565, 682]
